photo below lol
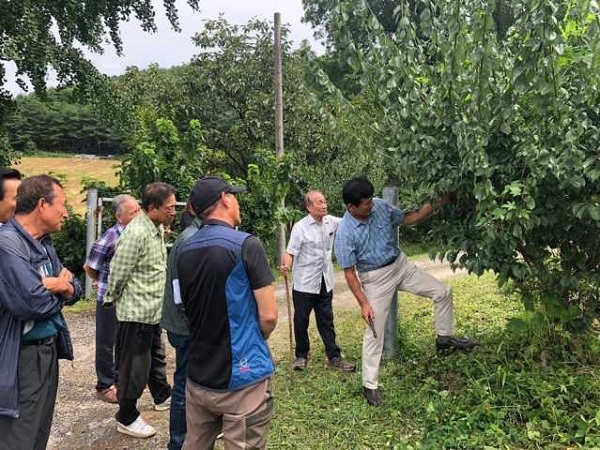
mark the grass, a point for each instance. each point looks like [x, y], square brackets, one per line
[493, 398]
[526, 387]
[72, 171]
[503, 395]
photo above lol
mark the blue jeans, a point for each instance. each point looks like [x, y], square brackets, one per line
[177, 420]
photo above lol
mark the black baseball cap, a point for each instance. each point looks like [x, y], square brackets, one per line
[207, 190]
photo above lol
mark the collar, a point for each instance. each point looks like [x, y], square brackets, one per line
[19, 229]
[354, 222]
[217, 222]
[147, 223]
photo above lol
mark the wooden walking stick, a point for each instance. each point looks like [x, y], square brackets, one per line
[289, 310]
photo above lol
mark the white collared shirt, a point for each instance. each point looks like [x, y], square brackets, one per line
[311, 245]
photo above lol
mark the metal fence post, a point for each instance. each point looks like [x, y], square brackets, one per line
[90, 233]
[390, 195]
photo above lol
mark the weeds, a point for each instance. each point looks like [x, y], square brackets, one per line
[523, 388]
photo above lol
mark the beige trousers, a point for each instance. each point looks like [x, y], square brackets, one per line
[379, 286]
[243, 416]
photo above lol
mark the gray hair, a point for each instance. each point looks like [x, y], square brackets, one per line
[308, 197]
[120, 200]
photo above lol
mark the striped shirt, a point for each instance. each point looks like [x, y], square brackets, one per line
[136, 282]
[100, 255]
[310, 244]
[368, 245]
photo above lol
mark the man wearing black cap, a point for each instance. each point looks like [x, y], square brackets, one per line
[226, 288]
[10, 179]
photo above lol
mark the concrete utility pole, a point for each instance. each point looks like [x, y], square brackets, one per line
[390, 195]
[278, 85]
[90, 236]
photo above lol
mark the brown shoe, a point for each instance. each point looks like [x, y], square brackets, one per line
[341, 364]
[108, 395]
[300, 363]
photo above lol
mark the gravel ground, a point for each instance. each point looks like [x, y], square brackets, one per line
[81, 421]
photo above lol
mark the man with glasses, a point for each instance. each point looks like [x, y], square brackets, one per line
[136, 285]
[34, 287]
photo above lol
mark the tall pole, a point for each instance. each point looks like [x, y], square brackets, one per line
[390, 195]
[278, 85]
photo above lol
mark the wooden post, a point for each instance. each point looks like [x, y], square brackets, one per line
[278, 86]
[390, 195]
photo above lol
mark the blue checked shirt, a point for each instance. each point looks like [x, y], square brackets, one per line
[368, 245]
[100, 255]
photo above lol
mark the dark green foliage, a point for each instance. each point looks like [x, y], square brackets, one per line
[161, 153]
[70, 243]
[60, 123]
[499, 105]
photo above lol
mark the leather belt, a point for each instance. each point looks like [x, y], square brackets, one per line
[388, 263]
[44, 341]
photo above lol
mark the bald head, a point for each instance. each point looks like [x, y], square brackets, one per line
[316, 205]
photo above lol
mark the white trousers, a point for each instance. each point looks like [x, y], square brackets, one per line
[379, 286]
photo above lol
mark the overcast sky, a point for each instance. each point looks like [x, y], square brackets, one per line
[168, 48]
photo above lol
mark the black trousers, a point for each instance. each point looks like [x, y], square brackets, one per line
[304, 303]
[142, 361]
[107, 359]
[38, 383]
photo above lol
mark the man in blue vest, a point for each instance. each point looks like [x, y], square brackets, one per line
[226, 289]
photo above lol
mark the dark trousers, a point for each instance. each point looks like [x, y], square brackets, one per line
[107, 359]
[304, 303]
[142, 361]
[177, 421]
[38, 383]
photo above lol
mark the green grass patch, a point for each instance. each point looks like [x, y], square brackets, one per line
[83, 306]
[504, 395]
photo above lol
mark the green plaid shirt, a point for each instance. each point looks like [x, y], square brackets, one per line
[136, 280]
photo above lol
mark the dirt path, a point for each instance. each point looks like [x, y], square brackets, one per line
[83, 422]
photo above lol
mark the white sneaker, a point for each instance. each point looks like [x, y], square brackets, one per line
[138, 429]
[163, 406]
[220, 436]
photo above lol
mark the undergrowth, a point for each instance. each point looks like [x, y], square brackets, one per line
[529, 385]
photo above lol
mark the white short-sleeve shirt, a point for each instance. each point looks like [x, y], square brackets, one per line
[311, 245]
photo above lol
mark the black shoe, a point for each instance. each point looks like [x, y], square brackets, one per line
[373, 396]
[445, 343]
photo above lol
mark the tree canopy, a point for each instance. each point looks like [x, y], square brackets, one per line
[46, 34]
[504, 117]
